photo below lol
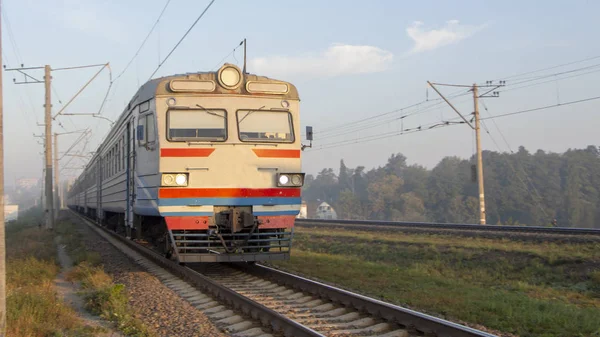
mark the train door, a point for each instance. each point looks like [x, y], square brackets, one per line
[147, 177]
[98, 177]
[130, 176]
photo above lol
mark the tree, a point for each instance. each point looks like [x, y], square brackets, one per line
[350, 206]
[382, 195]
[345, 177]
[520, 187]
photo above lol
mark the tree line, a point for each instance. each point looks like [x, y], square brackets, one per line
[520, 189]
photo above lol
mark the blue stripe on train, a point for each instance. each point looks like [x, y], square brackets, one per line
[186, 213]
[274, 213]
[228, 201]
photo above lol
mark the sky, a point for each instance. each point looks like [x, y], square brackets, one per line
[361, 69]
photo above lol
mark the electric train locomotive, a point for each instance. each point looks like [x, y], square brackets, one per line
[206, 166]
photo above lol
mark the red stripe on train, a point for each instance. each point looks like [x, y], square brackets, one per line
[179, 192]
[272, 153]
[278, 221]
[187, 222]
[203, 152]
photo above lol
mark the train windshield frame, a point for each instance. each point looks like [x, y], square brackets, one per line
[265, 126]
[196, 124]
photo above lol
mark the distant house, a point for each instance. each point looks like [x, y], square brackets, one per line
[325, 211]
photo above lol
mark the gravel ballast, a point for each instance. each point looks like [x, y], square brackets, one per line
[157, 306]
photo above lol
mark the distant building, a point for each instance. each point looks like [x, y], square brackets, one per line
[27, 183]
[325, 211]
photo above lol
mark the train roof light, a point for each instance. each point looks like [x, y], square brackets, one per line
[191, 85]
[230, 76]
[271, 87]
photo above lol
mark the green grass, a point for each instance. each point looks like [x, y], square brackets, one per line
[33, 308]
[525, 288]
[103, 297]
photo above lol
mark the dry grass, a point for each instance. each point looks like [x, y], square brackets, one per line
[33, 307]
[103, 297]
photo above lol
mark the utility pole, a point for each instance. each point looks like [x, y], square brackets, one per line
[48, 118]
[2, 229]
[479, 157]
[56, 185]
[57, 189]
[48, 148]
[476, 127]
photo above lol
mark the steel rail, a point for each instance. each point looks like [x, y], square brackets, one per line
[268, 317]
[280, 323]
[451, 226]
[424, 323]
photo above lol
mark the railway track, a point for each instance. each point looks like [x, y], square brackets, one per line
[254, 300]
[449, 226]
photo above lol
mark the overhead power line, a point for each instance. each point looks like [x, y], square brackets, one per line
[373, 121]
[226, 56]
[537, 78]
[550, 68]
[357, 123]
[437, 125]
[144, 41]
[538, 201]
[543, 107]
[182, 38]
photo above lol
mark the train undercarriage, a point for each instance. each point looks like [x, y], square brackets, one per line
[233, 235]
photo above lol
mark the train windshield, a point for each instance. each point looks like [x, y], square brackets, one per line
[197, 124]
[265, 126]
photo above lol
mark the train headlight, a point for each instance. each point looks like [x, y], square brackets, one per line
[181, 180]
[168, 179]
[290, 179]
[230, 76]
[284, 180]
[174, 179]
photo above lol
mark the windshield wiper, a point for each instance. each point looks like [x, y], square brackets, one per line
[208, 111]
[250, 113]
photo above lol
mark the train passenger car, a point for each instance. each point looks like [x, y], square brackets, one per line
[205, 165]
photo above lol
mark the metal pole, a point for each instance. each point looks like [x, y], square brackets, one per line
[479, 158]
[56, 184]
[48, 146]
[2, 232]
[244, 71]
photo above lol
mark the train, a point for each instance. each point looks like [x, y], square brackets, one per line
[205, 167]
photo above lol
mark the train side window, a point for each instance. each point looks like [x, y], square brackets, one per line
[150, 129]
[141, 131]
[115, 156]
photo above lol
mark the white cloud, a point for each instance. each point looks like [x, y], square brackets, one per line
[339, 59]
[426, 40]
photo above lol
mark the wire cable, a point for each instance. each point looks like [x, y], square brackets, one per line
[226, 56]
[144, 41]
[431, 126]
[182, 38]
[552, 67]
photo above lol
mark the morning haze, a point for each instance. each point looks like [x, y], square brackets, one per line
[348, 62]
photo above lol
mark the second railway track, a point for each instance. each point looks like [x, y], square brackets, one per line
[449, 226]
[247, 301]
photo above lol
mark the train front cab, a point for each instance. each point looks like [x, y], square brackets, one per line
[230, 170]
